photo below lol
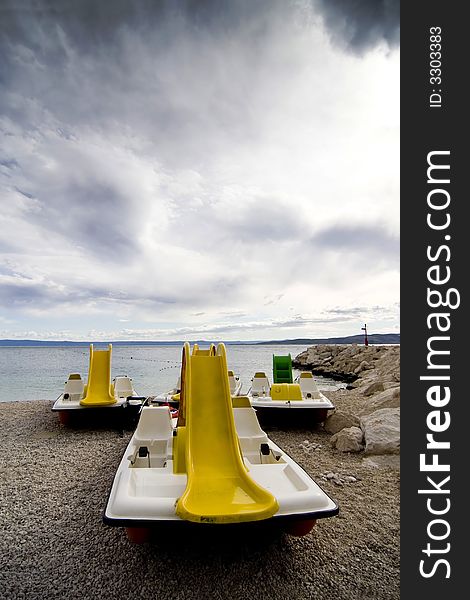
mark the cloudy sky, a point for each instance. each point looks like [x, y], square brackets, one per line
[199, 169]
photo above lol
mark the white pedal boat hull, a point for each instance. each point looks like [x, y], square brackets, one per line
[302, 395]
[143, 495]
[125, 394]
[311, 403]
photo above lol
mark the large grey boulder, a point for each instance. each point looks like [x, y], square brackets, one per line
[382, 431]
[348, 440]
[387, 399]
[339, 420]
[363, 366]
[383, 461]
[372, 388]
[391, 384]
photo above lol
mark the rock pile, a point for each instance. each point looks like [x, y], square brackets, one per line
[338, 478]
[352, 362]
[373, 375]
[309, 447]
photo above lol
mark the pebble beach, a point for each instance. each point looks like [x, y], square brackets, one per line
[54, 483]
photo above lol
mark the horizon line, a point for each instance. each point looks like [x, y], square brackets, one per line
[251, 341]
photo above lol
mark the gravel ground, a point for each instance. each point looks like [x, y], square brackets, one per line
[54, 483]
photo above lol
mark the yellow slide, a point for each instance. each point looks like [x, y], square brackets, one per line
[219, 488]
[99, 389]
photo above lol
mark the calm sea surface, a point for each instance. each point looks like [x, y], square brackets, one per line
[39, 373]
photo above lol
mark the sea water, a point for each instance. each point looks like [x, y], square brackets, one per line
[39, 373]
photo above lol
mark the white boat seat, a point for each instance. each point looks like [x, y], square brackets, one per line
[232, 382]
[249, 432]
[308, 385]
[123, 387]
[154, 429]
[74, 386]
[260, 385]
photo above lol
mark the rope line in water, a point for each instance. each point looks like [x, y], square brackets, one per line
[176, 365]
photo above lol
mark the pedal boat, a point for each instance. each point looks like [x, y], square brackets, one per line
[99, 392]
[217, 467]
[301, 395]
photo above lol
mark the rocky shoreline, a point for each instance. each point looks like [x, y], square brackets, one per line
[55, 481]
[370, 424]
[352, 362]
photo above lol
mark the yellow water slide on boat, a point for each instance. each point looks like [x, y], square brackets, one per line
[99, 390]
[219, 488]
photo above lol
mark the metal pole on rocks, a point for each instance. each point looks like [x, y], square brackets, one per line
[364, 329]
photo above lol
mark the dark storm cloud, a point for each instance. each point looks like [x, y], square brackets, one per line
[260, 220]
[25, 194]
[361, 24]
[93, 25]
[82, 218]
[21, 291]
[24, 293]
[28, 293]
[357, 24]
[110, 64]
[8, 163]
[273, 220]
[372, 241]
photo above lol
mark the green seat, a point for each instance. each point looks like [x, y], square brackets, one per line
[282, 369]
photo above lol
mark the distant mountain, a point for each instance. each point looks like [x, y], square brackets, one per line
[374, 338]
[61, 343]
[85, 344]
